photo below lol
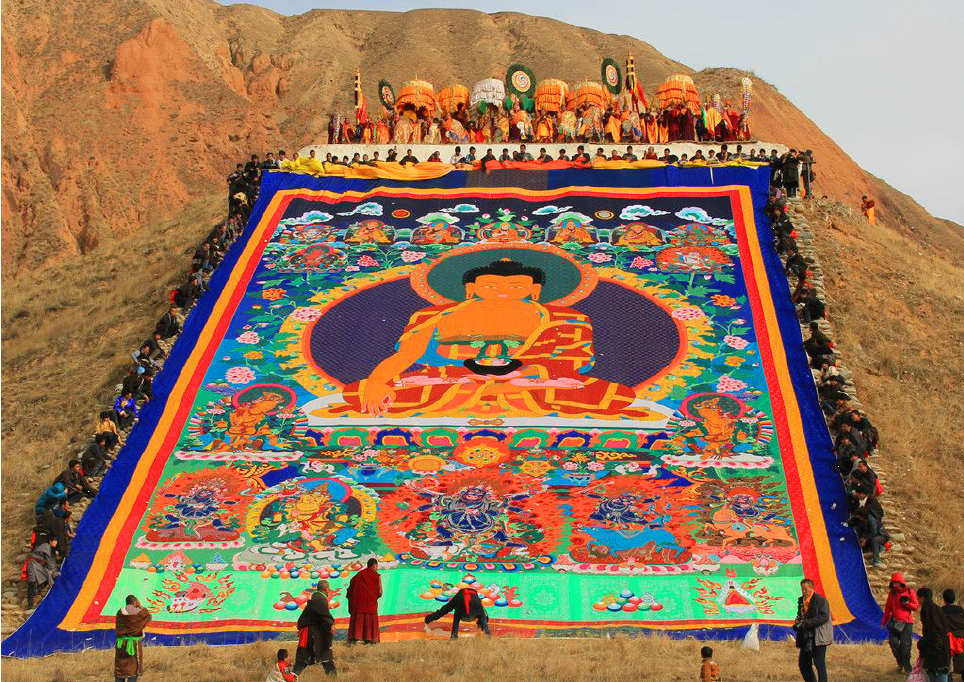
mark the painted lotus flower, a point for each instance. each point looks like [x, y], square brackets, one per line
[306, 314]
[729, 385]
[599, 257]
[687, 313]
[735, 342]
[412, 256]
[249, 337]
[239, 375]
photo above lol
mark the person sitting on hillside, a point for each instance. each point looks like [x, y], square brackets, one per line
[846, 453]
[863, 479]
[50, 498]
[796, 265]
[813, 308]
[859, 423]
[169, 325]
[408, 158]
[40, 569]
[867, 520]
[138, 384]
[94, 458]
[855, 437]
[819, 347]
[106, 425]
[75, 482]
[125, 410]
[54, 524]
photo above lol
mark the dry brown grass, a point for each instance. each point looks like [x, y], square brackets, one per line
[67, 335]
[564, 660]
[897, 307]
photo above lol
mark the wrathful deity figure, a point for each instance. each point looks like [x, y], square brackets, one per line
[498, 353]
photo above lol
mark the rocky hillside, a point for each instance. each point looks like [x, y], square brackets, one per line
[149, 102]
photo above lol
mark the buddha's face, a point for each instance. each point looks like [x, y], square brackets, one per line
[503, 288]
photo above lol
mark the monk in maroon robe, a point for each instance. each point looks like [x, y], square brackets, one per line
[363, 592]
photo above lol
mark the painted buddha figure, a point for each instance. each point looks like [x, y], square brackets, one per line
[369, 231]
[571, 228]
[436, 228]
[498, 353]
[639, 234]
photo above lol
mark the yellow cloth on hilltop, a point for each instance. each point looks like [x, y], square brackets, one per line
[381, 170]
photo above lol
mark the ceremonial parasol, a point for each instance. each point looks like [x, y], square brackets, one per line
[386, 94]
[551, 95]
[591, 93]
[488, 90]
[450, 98]
[611, 77]
[519, 81]
[678, 89]
[419, 94]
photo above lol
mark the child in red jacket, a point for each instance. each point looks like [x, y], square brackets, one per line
[279, 672]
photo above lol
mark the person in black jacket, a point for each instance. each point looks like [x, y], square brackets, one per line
[934, 646]
[955, 621]
[315, 633]
[465, 605]
[814, 632]
[75, 482]
[791, 173]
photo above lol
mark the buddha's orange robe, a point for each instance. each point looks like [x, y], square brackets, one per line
[550, 381]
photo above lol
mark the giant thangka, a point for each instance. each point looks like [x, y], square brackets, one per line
[581, 392]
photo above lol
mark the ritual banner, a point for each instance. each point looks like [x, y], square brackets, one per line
[582, 392]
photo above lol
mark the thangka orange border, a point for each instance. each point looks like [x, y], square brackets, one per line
[85, 612]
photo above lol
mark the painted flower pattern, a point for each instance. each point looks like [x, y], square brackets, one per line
[722, 300]
[729, 385]
[273, 294]
[306, 314]
[249, 338]
[239, 375]
[639, 263]
[412, 256]
[599, 257]
[687, 313]
[735, 342]
[367, 261]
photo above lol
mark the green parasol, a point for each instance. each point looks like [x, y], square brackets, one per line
[611, 76]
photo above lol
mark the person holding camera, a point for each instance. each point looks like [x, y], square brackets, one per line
[899, 619]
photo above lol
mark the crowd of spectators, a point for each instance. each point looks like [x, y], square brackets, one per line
[855, 438]
[714, 121]
[70, 491]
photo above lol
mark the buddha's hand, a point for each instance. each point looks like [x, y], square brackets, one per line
[375, 398]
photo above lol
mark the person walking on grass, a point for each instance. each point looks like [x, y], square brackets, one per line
[129, 627]
[899, 620]
[316, 633]
[814, 632]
